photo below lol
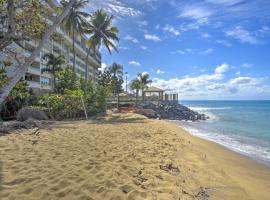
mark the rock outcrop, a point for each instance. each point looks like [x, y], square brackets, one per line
[168, 110]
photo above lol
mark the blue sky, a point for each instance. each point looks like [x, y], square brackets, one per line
[207, 49]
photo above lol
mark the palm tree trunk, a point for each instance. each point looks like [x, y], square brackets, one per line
[73, 48]
[53, 83]
[86, 71]
[137, 93]
[20, 72]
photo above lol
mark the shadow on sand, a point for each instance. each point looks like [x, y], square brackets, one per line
[118, 119]
[1, 177]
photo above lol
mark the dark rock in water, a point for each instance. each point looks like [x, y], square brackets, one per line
[168, 110]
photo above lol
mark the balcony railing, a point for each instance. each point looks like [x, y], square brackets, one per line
[33, 84]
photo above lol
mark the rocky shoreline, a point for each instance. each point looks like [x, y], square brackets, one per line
[168, 110]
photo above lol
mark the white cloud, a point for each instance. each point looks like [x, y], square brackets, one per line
[115, 7]
[103, 67]
[225, 2]
[152, 37]
[143, 23]
[222, 68]
[144, 47]
[247, 81]
[206, 35]
[143, 73]
[214, 86]
[242, 35]
[195, 12]
[132, 39]
[160, 72]
[134, 63]
[123, 47]
[224, 42]
[247, 65]
[182, 52]
[207, 51]
[171, 29]
[194, 25]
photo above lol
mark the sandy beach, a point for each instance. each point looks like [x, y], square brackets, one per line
[124, 156]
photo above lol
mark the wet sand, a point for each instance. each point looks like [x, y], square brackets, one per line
[124, 156]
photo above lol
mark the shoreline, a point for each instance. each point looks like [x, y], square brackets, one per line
[236, 163]
[125, 156]
[246, 155]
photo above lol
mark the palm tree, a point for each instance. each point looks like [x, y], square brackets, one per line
[101, 32]
[117, 75]
[75, 22]
[53, 65]
[136, 85]
[144, 80]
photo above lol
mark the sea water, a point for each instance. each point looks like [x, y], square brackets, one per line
[242, 126]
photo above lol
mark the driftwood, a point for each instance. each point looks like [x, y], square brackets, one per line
[8, 127]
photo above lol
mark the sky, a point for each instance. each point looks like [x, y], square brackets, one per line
[201, 49]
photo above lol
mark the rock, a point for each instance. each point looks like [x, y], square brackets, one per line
[150, 113]
[168, 110]
[30, 113]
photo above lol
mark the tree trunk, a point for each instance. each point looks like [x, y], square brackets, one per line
[8, 37]
[136, 101]
[86, 71]
[20, 72]
[73, 48]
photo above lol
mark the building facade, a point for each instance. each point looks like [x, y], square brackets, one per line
[42, 81]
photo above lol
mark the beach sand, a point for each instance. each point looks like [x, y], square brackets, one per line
[124, 156]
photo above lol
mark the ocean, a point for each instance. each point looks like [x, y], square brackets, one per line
[242, 126]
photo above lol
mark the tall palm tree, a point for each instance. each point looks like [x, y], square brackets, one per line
[75, 22]
[102, 32]
[117, 75]
[53, 65]
[144, 80]
[136, 85]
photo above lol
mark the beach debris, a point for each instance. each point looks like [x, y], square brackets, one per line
[169, 168]
[126, 188]
[35, 132]
[202, 194]
[34, 142]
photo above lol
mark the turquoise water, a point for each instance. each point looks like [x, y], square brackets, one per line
[243, 126]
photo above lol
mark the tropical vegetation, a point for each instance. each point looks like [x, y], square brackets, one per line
[53, 65]
[75, 22]
[102, 32]
[144, 80]
[71, 96]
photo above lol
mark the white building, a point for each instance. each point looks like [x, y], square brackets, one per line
[41, 82]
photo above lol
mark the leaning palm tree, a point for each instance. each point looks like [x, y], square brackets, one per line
[53, 65]
[102, 33]
[117, 75]
[136, 85]
[144, 80]
[75, 22]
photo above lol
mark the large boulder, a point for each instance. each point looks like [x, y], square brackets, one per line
[30, 113]
[150, 113]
